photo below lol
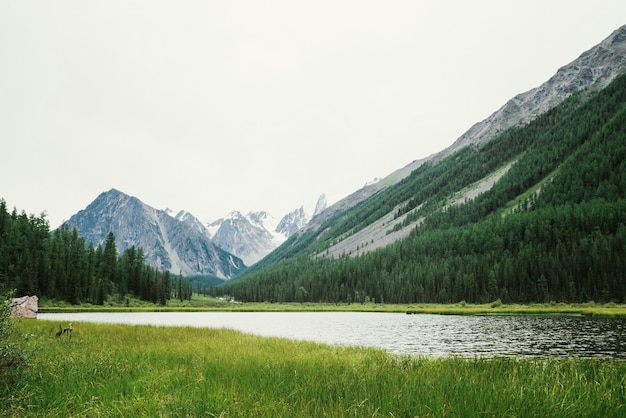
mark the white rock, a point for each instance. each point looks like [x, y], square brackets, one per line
[25, 307]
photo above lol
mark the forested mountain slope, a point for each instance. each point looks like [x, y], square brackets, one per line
[552, 227]
[593, 70]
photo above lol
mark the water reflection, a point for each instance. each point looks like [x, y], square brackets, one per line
[431, 335]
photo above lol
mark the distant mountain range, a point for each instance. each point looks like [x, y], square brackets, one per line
[180, 242]
[366, 217]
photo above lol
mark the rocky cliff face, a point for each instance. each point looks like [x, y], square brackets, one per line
[320, 206]
[594, 70]
[168, 243]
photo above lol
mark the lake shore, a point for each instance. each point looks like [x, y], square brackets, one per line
[122, 370]
[200, 304]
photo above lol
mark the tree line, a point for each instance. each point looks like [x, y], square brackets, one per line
[61, 266]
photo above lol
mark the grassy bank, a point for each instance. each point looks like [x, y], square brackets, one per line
[120, 370]
[203, 303]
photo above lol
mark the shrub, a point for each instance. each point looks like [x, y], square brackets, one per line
[496, 303]
[12, 356]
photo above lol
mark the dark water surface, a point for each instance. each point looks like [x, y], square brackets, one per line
[430, 335]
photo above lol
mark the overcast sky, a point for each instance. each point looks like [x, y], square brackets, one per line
[213, 106]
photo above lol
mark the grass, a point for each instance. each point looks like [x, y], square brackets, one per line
[206, 303]
[120, 370]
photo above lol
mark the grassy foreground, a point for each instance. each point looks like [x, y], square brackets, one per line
[120, 371]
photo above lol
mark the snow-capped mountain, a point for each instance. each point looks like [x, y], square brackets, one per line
[178, 244]
[292, 222]
[256, 234]
[246, 236]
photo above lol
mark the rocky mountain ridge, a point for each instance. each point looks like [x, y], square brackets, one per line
[180, 242]
[248, 236]
[594, 69]
[256, 234]
[168, 243]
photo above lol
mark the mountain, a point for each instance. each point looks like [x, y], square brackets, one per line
[292, 222]
[253, 236]
[591, 71]
[320, 206]
[193, 222]
[178, 244]
[528, 205]
[249, 237]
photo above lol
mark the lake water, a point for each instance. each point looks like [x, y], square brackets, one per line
[429, 335]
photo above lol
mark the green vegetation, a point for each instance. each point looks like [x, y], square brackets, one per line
[563, 239]
[12, 356]
[60, 266]
[120, 370]
[200, 303]
[563, 236]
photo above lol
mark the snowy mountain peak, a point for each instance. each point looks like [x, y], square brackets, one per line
[292, 222]
[263, 219]
[258, 216]
[254, 235]
[321, 205]
[235, 215]
[244, 236]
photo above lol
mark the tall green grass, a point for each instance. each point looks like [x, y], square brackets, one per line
[121, 371]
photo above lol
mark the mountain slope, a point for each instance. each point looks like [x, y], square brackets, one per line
[536, 213]
[593, 70]
[179, 246]
[590, 72]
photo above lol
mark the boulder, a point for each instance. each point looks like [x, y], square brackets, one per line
[24, 307]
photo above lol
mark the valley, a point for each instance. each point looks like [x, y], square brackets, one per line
[485, 275]
[550, 160]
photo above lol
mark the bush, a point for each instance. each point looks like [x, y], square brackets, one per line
[496, 303]
[12, 356]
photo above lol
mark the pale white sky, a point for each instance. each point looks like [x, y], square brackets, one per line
[214, 106]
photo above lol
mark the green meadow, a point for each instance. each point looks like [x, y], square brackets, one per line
[205, 303]
[121, 371]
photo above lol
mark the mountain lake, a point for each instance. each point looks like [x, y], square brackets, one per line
[421, 334]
